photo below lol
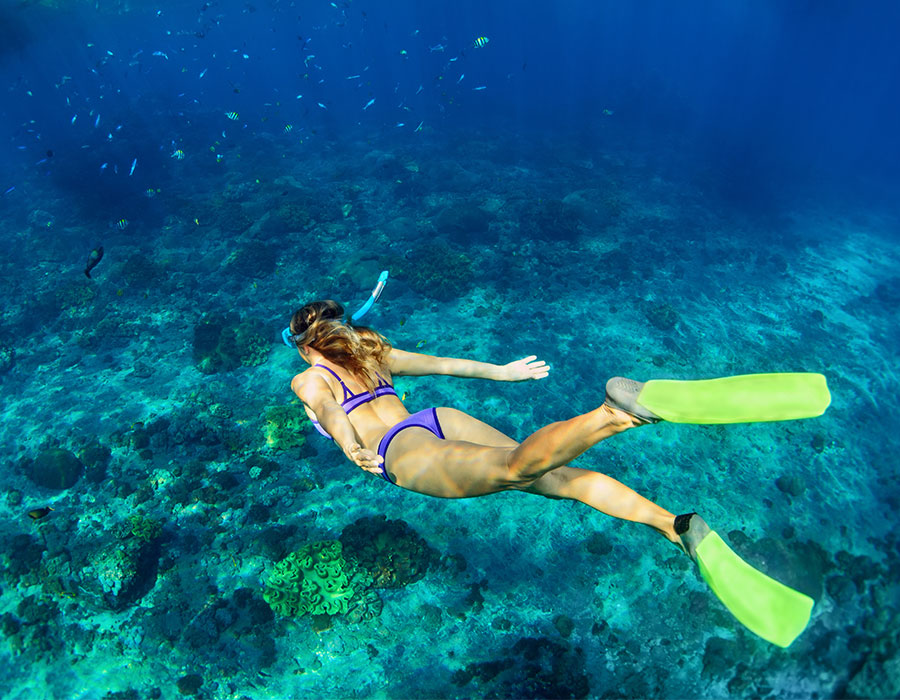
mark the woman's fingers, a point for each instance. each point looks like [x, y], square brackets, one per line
[538, 369]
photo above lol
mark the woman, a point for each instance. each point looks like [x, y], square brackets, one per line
[348, 393]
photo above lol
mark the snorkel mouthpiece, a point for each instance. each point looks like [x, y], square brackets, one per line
[288, 337]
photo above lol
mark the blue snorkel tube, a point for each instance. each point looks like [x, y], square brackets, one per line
[358, 314]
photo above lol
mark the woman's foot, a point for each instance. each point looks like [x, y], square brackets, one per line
[622, 395]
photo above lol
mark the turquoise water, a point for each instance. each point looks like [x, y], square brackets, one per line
[149, 405]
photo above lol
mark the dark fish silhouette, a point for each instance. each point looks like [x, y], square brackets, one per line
[39, 513]
[93, 260]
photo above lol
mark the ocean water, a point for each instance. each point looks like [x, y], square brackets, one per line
[648, 189]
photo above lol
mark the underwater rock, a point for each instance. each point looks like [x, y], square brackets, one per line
[189, 684]
[7, 357]
[95, 457]
[564, 625]
[54, 468]
[142, 271]
[222, 342]
[662, 316]
[594, 207]
[465, 222]
[392, 553]
[255, 260]
[438, 271]
[878, 678]
[531, 668]
[841, 589]
[123, 572]
[24, 554]
[791, 484]
[549, 220]
[598, 544]
[719, 657]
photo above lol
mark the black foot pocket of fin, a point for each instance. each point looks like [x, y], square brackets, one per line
[691, 528]
[622, 394]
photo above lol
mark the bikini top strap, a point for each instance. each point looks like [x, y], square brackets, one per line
[347, 393]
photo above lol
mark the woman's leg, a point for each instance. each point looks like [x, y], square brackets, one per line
[462, 466]
[607, 495]
[559, 443]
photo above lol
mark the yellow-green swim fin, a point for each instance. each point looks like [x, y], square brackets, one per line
[766, 607]
[746, 398]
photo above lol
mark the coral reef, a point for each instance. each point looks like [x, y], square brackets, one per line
[438, 271]
[222, 342]
[285, 427]
[392, 553]
[315, 580]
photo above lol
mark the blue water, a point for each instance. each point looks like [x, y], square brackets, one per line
[648, 189]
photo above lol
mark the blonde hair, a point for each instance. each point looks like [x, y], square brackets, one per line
[358, 349]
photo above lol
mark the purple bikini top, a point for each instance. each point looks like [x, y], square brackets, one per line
[353, 401]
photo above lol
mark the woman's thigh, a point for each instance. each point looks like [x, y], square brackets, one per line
[461, 426]
[420, 461]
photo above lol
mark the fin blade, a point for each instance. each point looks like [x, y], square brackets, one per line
[745, 398]
[763, 605]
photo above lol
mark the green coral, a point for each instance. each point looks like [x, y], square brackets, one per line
[316, 580]
[145, 529]
[285, 427]
[74, 297]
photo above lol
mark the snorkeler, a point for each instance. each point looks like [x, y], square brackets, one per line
[348, 393]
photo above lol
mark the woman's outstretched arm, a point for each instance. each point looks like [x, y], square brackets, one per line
[415, 364]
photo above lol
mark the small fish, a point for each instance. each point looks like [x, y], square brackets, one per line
[353, 77]
[39, 513]
[177, 154]
[608, 112]
[421, 344]
[419, 128]
[463, 75]
[122, 224]
[399, 124]
[161, 53]
[97, 121]
[203, 72]
[74, 117]
[151, 193]
[133, 166]
[233, 116]
[104, 167]
[219, 157]
[10, 190]
[94, 258]
[405, 394]
[480, 42]
[288, 128]
[322, 106]
[436, 47]
[369, 104]
[480, 87]
[419, 90]
[308, 59]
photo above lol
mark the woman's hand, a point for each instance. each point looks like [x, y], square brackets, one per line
[527, 368]
[366, 459]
